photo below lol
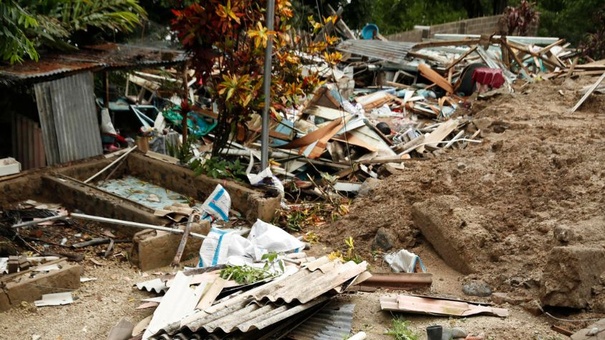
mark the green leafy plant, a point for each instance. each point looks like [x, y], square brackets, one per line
[228, 40]
[247, 274]
[28, 25]
[219, 168]
[349, 253]
[400, 330]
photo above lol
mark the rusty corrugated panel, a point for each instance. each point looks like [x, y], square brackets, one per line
[89, 59]
[392, 51]
[68, 117]
[436, 306]
[333, 322]
[27, 143]
[271, 303]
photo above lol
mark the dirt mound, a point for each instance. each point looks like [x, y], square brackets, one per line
[538, 167]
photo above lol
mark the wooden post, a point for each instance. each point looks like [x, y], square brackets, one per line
[181, 248]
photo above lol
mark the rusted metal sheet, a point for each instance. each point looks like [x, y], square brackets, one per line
[391, 51]
[272, 302]
[95, 58]
[435, 306]
[28, 147]
[68, 118]
[398, 280]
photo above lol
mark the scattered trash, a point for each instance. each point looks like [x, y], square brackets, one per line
[56, 299]
[404, 261]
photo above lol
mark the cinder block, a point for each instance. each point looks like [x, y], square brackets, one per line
[30, 286]
[154, 249]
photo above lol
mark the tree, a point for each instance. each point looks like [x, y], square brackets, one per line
[228, 40]
[57, 24]
[14, 42]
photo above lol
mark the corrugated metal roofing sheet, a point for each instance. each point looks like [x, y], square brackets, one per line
[333, 322]
[90, 58]
[270, 303]
[68, 117]
[391, 51]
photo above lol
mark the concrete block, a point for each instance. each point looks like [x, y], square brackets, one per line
[571, 275]
[154, 249]
[30, 286]
[455, 230]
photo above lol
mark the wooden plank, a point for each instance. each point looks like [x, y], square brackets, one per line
[439, 134]
[211, 294]
[588, 93]
[466, 54]
[435, 77]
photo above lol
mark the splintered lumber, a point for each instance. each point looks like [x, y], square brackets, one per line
[435, 77]
[588, 93]
[439, 134]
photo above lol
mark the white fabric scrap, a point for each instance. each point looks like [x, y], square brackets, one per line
[404, 261]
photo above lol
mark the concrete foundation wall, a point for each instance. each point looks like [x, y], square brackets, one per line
[248, 201]
[483, 25]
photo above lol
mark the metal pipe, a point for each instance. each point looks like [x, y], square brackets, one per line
[267, 87]
[46, 219]
[133, 224]
[110, 165]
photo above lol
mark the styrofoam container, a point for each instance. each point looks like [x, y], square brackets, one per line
[9, 166]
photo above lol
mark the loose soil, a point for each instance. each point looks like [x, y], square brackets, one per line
[538, 167]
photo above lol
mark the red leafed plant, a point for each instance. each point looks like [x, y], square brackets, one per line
[519, 19]
[228, 40]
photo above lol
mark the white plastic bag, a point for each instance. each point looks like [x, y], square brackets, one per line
[219, 245]
[217, 205]
[266, 238]
[106, 125]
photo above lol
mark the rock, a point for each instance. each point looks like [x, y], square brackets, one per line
[368, 187]
[533, 307]
[476, 288]
[570, 274]
[453, 333]
[563, 234]
[455, 230]
[384, 239]
[500, 298]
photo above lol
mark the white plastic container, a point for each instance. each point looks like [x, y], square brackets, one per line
[9, 166]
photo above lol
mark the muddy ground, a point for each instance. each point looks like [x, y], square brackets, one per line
[538, 168]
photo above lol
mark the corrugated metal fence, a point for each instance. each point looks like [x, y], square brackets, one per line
[28, 147]
[68, 117]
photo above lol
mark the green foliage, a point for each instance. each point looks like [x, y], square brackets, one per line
[183, 151]
[247, 274]
[568, 19]
[28, 25]
[216, 167]
[394, 16]
[400, 330]
[14, 42]
[350, 254]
